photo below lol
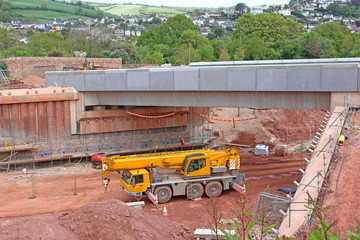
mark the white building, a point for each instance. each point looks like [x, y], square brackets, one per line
[256, 11]
[285, 12]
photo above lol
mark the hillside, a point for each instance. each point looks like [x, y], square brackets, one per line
[44, 11]
[130, 9]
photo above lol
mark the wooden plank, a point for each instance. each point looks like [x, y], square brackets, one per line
[234, 144]
[37, 160]
[133, 204]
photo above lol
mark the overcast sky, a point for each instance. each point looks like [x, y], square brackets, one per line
[196, 3]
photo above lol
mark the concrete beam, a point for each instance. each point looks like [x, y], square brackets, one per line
[276, 100]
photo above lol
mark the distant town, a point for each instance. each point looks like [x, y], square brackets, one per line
[129, 27]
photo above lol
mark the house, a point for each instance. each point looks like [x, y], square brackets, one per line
[26, 30]
[198, 21]
[306, 13]
[212, 14]
[337, 18]
[107, 19]
[58, 27]
[162, 17]
[24, 39]
[285, 11]
[129, 19]
[81, 28]
[113, 25]
[119, 32]
[256, 11]
[127, 32]
[87, 21]
[229, 23]
[221, 22]
[205, 31]
[328, 16]
[310, 7]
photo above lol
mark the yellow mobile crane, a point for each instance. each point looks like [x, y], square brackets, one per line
[196, 170]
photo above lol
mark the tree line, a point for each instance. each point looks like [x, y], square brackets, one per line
[264, 36]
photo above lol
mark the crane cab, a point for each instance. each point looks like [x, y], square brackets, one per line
[196, 165]
[136, 181]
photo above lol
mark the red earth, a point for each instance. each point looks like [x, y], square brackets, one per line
[53, 190]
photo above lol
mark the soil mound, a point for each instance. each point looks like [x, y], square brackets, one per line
[282, 126]
[110, 219]
[34, 81]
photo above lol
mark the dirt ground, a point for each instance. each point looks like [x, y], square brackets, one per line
[65, 190]
[55, 188]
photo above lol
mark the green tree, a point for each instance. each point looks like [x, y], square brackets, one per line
[4, 67]
[78, 11]
[256, 48]
[8, 38]
[191, 37]
[342, 38]
[310, 45]
[206, 52]
[235, 49]
[269, 27]
[219, 31]
[17, 51]
[155, 57]
[105, 53]
[166, 50]
[211, 36]
[120, 54]
[182, 55]
[46, 41]
[156, 20]
[167, 33]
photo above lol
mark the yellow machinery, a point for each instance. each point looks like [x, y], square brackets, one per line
[196, 170]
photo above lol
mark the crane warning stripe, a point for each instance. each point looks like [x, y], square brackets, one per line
[145, 116]
[228, 120]
[233, 162]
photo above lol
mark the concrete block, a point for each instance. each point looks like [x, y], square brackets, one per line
[304, 78]
[138, 80]
[241, 79]
[186, 79]
[54, 77]
[333, 76]
[162, 79]
[75, 80]
[213, 79]
[94, 80]
[210, 234]
[272, 78]
[115, 80]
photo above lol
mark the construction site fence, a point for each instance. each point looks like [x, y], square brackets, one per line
[117, 144]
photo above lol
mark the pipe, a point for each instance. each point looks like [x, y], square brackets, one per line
[341, 140]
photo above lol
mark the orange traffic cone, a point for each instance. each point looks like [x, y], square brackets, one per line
[165, 213]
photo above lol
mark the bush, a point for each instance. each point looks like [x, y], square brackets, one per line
[55, 54]
[4, 67]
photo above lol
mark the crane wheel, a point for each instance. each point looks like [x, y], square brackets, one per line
[213, 189]
[163, 194]
[194, 191]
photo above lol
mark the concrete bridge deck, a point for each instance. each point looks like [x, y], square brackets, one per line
[284, 86]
